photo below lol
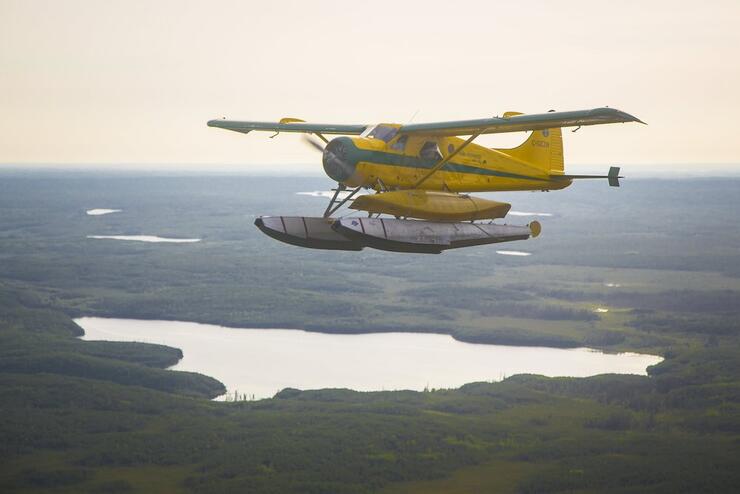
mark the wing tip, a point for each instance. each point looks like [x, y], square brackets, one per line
[623, 116]
[632, 118]
[222, 123]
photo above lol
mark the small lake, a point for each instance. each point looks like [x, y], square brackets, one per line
[517, 253]
[146, 238]
[261, 362]
[101, 212]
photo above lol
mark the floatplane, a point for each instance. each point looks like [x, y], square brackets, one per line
[420, 177]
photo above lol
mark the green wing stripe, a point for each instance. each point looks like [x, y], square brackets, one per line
[520, 123]
[309, 128]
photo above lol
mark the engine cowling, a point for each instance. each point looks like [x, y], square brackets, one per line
[339, 160]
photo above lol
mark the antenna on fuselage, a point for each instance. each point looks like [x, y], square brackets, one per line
[413, 116]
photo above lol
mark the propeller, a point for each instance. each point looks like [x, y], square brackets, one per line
[314, 143]
[334, 157]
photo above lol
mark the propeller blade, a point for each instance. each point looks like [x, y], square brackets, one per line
[313, 143]
[333, 158]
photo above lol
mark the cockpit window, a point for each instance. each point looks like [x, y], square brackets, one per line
[430, 151]
[400, 143]
[383, 132]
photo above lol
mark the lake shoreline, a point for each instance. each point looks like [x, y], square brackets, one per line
[508, 339]
[387, 360]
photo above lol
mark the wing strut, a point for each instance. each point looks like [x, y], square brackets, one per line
[442, 162]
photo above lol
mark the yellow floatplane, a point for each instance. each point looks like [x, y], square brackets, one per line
[420, 176]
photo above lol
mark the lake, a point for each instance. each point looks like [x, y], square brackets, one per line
[102, 212]
[261, 362]
[146, 238]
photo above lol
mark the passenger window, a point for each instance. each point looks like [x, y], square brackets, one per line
[400, 143]
[430, 151]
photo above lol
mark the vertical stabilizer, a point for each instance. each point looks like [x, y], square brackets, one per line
[543, 150]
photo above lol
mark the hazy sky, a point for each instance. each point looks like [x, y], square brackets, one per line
[134, 82]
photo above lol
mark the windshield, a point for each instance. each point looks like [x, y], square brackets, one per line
[383, 132]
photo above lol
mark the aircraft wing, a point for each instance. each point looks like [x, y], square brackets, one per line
[288, 125]
[518, 122]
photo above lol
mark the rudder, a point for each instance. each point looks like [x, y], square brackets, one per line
[543, 149]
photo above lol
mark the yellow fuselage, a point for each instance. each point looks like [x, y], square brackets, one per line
[376, 163]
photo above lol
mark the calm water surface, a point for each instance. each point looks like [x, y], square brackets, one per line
[264, 361]
[101, 212]
[146, 238]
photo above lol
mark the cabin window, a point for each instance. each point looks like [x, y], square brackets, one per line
[383, 132]
[400, 143]
[430, 151]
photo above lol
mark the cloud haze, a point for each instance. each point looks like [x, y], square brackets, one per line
[86, 82]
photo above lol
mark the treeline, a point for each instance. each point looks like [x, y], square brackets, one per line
[114, 421]
[38, 340]
[495, 302]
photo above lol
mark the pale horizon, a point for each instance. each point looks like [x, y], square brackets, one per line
[132, 84]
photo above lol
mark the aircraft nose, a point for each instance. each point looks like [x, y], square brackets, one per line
[338, 159]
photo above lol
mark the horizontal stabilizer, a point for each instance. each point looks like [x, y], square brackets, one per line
[613, 176]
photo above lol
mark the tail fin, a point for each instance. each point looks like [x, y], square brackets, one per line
[543, 149]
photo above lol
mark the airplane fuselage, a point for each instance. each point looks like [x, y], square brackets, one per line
[372, 162]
